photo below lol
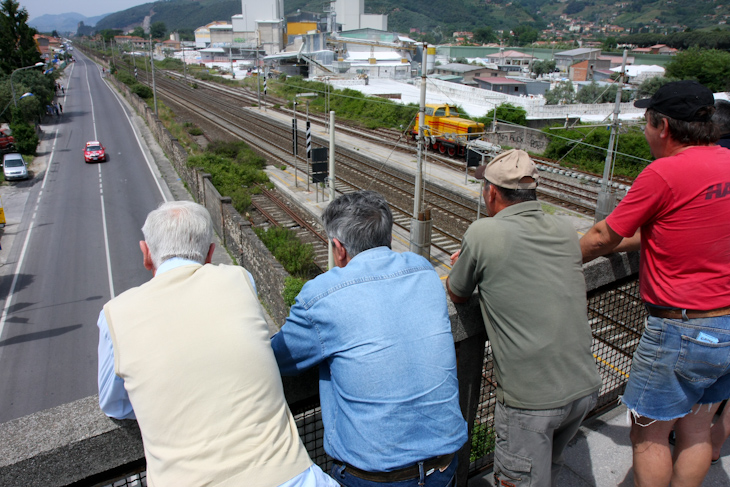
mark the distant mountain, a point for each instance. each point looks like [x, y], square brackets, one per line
[176, 14]
[577, 18]
[63, 23]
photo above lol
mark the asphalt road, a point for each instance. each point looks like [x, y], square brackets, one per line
[70, 245]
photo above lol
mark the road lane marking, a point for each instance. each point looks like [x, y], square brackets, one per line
[106, 237]
[101, 194]
[139, 142]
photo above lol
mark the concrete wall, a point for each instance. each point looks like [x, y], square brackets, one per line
[518, 138]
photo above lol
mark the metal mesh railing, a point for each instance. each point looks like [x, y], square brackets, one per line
[134, 479]
[616, 316]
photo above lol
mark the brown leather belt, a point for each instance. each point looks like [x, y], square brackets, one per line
[440, 462]
[676, 314]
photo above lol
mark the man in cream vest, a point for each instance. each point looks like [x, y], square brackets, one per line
[187, 354]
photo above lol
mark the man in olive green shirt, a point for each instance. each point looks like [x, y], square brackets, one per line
[527, 266]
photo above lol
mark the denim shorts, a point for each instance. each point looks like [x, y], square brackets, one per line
[679, 364]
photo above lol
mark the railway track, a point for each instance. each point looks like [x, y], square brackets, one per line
[579, 195]
[226, 107]
[278, 212]
[355, 172]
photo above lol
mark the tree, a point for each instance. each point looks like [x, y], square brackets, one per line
[506, 112]
[30, 81]
[139, 32]
[158, 30]
[711, 67]
[649, 86]
[592, 93]
[484, 35]
[563, 93]
[26, 140]
[543, 66]
[595, 93]
[108, 34]
[524, 34]
[17, 46]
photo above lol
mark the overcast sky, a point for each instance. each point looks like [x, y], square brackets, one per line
[87, 8]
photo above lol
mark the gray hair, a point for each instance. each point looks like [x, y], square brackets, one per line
[178, 229]
[360, 221]
[721, 118]
[513, 196]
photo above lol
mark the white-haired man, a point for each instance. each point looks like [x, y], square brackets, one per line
[187, 354]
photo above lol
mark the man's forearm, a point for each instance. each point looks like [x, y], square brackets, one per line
[454, 297]
[601, 240]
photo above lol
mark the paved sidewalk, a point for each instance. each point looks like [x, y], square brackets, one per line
[600, 456]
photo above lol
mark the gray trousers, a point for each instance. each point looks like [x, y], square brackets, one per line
[529, 443]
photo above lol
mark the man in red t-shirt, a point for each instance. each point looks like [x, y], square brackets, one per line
[677, 213]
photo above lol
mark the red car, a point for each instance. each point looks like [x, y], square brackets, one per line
[94, 151]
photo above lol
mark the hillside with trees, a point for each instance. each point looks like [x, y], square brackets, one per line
[678, 23]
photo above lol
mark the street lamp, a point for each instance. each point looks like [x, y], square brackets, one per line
[12, 88]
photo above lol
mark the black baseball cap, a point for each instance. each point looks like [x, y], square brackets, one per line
[680, 100]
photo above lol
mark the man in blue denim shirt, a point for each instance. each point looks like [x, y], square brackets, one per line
[377, 325]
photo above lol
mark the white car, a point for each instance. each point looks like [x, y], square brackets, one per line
[14, 167]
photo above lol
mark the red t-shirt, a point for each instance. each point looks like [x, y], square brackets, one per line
[682, 204]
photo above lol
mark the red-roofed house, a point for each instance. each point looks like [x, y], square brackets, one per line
[656, 49]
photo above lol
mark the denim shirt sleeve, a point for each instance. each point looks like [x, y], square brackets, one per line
[298, 345]
[113, 398]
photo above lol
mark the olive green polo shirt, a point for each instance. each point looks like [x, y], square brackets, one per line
[527, 266]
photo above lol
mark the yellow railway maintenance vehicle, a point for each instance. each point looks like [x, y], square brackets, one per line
[446, 132]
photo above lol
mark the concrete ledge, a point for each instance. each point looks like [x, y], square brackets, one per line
[614, 267]
[63, 445]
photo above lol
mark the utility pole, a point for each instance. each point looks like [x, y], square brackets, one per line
[331, 178]
[258, 73]
[152, 68]
[185, 64]
[230, 59]
[420, 235]
[606, 196]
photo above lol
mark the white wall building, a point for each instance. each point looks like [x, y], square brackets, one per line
[351, 14]
[258, 10]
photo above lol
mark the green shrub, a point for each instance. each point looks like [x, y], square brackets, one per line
[564, 146]
[235, 170]
[195, 131]
[26, 140]
[292, 288]
[126, 78]
[482, 441]
[296, 257]
[141, 90]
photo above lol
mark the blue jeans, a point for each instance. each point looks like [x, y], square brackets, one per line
[447, 478]
[679, 364]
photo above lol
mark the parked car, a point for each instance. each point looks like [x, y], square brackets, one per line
[7, 142]
[94, 151]
[14, 167]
